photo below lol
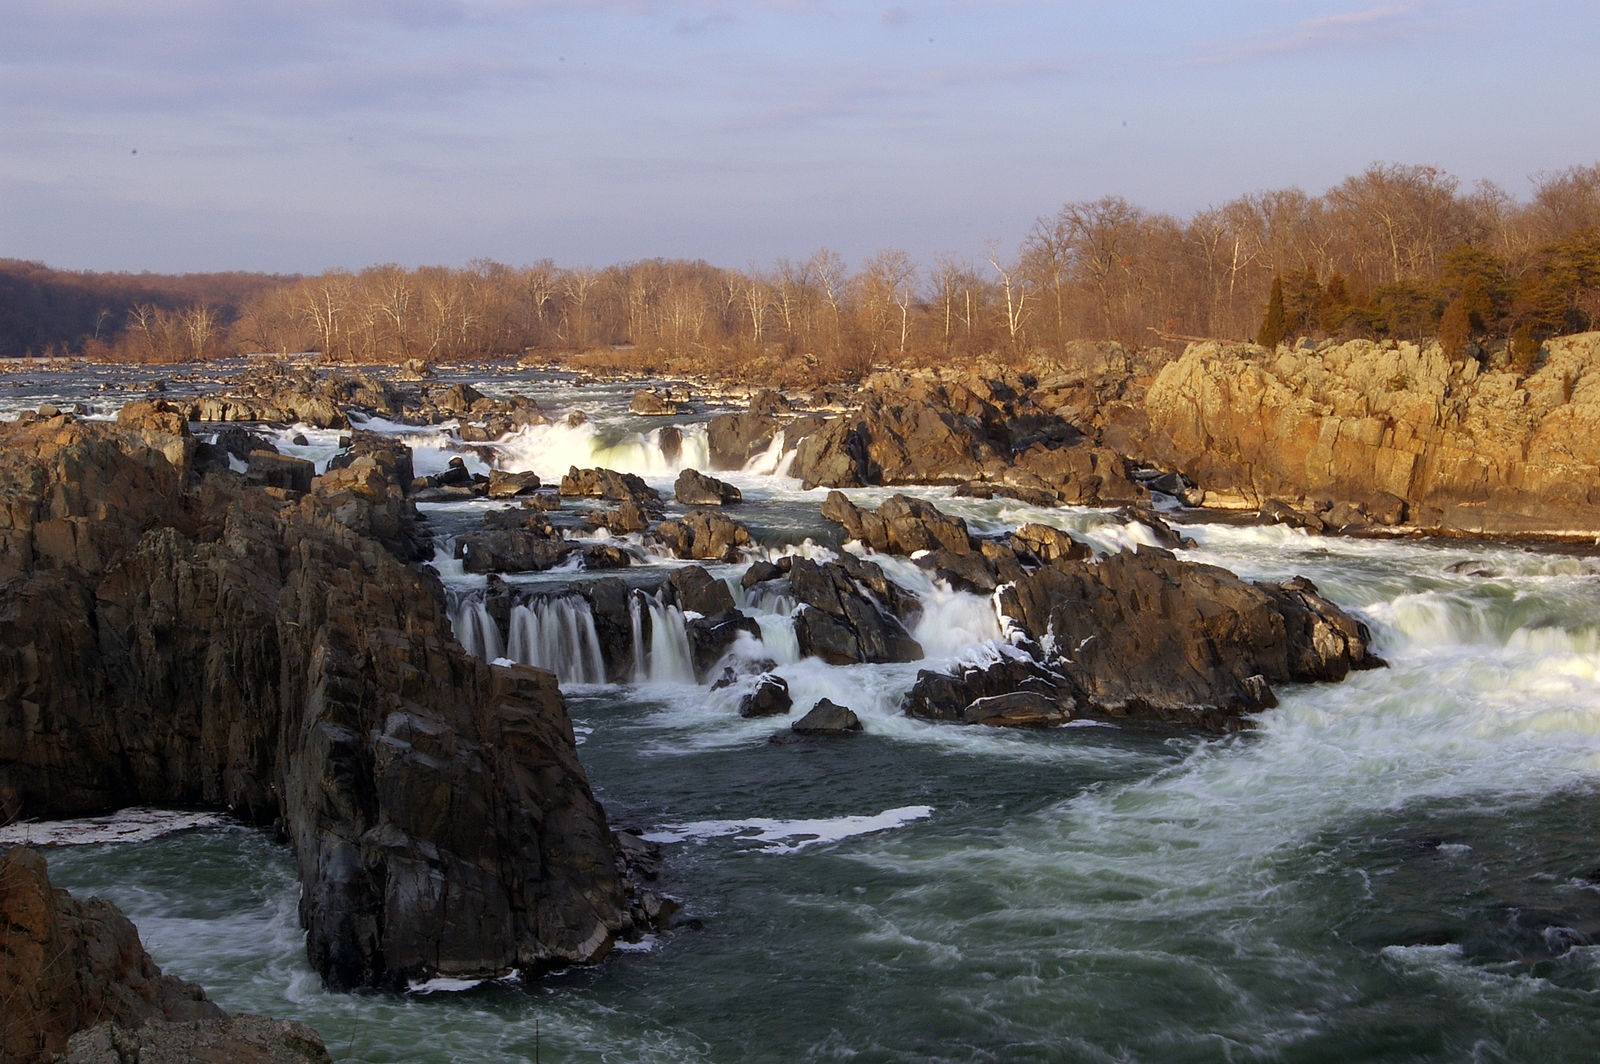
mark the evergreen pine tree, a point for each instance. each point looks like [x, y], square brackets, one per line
[1275, 326]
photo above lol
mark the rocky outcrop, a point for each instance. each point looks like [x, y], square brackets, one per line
[913, 429]
[704, 535]
[840, 622]
[79, 987]
[694, 488]
[213, 645]
[1363, 424]
[1141, 633]
[68, 964]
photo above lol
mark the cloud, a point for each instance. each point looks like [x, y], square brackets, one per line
[1377, 24]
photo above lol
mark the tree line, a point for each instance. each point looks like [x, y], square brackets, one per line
[1397, 251]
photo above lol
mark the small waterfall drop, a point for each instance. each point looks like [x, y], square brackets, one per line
[775, 460]
[476, 631]
[662, 654]
[557, 634]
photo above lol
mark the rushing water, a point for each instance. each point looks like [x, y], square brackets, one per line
[1398, 867]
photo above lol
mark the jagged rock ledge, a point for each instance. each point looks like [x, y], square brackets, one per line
[174, 638]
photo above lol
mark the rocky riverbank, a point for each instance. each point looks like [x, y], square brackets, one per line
[80, 989]
[1461, 449]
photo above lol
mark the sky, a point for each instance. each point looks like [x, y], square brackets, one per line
[296, 136]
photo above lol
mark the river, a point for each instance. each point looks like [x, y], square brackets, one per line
[1398, 867]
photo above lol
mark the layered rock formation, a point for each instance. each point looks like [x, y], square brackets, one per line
[917, 430]
[78, 982]
[1466, 449]
[258, 650]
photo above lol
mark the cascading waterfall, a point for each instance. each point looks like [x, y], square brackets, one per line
[775, 460]
[557, 633]
[662, 655]
[476, 631]
[550, 450]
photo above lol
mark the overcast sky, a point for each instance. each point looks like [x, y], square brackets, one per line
[297, 135]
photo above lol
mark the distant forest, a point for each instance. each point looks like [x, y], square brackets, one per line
[1393, 252]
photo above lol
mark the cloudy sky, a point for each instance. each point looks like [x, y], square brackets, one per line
[297, 135]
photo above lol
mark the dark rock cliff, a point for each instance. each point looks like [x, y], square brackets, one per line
[258, 650]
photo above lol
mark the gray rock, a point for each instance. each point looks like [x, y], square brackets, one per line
[827, 718]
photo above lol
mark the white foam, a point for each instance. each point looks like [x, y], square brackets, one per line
[134, 824]
[791, 836]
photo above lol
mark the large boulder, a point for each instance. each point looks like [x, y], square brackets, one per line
[1144, 634]
[840, 622]
[704, 535]
[694, 488]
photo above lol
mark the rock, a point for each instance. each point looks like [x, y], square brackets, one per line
[1082, 475]
[1013, 691]
[653, 403]
[697, 591]
[758, 573]
[605, 556]
[457, 400]
[704, 535]
[1143, 634]
[694, 488]
[840, 624]
[1459, 448]
[770, 698]
[901, 525]
[826, 718]
[627, 516]
[67, 964]
[454, 475]
[217, 647]
[388, 453]
[609, 484]
[257, 1039]
[1278, 512]
[512, 550]
[732, 440]
[670, 439]
[1048, 544]
[609, 606]
[273, 470]
[710, 638]
[506, 485]
[365, 490]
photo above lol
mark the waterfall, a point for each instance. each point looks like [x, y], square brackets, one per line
[662, 654]
[476, 630]
[774, 461]
[550, 450]
[557, 633]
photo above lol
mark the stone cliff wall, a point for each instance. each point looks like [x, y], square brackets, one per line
[1468, 450]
